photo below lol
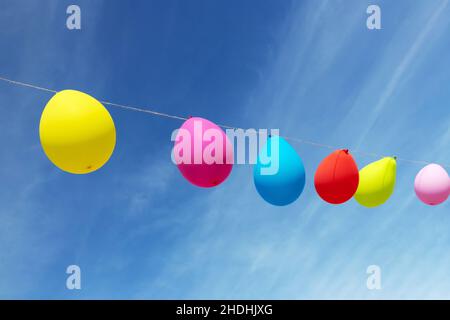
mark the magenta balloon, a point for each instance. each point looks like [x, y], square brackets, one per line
[204, 173]
[432, 184]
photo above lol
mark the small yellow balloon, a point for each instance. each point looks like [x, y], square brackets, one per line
[77, 132]
[376, 182]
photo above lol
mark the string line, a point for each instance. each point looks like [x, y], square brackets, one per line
[170, 116]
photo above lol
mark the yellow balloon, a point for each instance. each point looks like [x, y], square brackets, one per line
[77, 132]
[376, 182]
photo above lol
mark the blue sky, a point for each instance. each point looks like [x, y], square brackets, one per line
[138, 230]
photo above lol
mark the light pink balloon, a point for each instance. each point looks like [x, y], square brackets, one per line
[432, 184]
[204, 174]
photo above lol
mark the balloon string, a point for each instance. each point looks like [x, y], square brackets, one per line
[155, 113]
[23, 84]
[166, 115]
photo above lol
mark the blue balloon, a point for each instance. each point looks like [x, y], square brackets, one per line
[283, 186]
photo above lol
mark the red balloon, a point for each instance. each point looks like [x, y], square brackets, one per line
[337, 177]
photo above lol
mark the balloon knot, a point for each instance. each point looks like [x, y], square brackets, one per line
[345, 150]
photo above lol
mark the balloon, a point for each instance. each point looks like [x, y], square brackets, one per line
[77, 133]
[337, 177]
[432, 184]
[283, 186]
[203, 153]
[376, 182]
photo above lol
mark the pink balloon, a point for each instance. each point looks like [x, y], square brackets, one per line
[432, 184]
[203, 153]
